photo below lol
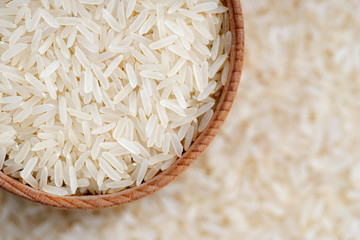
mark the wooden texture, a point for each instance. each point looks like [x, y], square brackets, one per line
[162, 179]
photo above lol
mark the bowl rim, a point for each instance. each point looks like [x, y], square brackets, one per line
[204, 139]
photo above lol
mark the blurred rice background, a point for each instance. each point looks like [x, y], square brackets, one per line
[286, 164]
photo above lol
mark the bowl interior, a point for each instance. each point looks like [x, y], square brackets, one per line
[223, 106]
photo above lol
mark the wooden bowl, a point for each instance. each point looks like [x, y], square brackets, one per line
[203, 140]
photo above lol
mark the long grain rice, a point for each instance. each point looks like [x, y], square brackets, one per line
[97, 96]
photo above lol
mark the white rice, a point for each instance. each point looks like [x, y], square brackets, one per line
[163, 42]
[205, 120]
[131, 75]
[119, 184]
[159, 158]
[108, 170]
[43, 145]
[50, 69]
[29, 167]
[115, 162]
[89, 81]
[54, 190]
[58, 174]
[97, 96]
[13, 51]
[128, 145]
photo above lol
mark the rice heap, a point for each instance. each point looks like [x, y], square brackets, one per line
[99, 95]
[285, 165]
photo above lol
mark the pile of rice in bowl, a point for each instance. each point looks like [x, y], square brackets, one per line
[100, 95]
